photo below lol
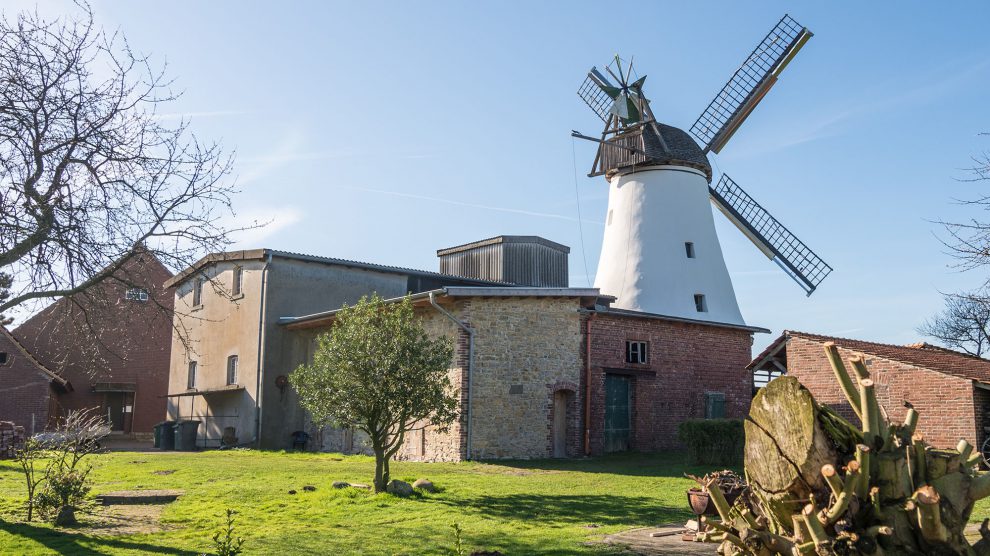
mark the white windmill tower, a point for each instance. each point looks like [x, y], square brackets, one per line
[660, 253]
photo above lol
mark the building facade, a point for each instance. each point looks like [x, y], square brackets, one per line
[111, 343]
[950, 390]
[540, 371]
[28, 390]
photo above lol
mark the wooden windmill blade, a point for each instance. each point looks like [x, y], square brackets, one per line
[598, 93]
[771, 237]
[749, 84]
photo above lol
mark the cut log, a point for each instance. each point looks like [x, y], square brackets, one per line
[786, 446]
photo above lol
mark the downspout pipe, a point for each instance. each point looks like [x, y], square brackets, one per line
[470, 366]
[587, 384]
[261, 351]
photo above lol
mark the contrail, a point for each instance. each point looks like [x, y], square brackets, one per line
[472, 205]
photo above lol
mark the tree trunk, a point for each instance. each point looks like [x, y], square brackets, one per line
[786, 446]
[381, 469]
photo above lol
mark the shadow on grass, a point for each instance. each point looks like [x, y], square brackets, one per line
[585, 509]
[67, 542]
[638, 464]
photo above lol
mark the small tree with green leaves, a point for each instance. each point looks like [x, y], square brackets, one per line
[378, 371]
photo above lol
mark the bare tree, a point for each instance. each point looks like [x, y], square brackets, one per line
[89, 168]
[964, 324]
[969, 242]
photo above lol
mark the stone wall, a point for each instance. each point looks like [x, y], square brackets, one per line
[11, 438]
[685, 361]
[525, 350]
[945, 402]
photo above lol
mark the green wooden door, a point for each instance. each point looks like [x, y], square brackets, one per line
[618, 414]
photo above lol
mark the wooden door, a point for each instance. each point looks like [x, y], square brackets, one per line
[618, 413]
[560, 424]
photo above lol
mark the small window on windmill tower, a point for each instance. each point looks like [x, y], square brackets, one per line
[714, 405]
[4, 358]
[689, 249]
[699, 303]
[636, 352]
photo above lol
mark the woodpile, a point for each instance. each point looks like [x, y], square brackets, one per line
[11, 439]
[820, 485]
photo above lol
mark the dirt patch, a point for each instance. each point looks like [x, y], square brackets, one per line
[163, 472]
[111, 521]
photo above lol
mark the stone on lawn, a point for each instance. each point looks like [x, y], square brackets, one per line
[340, 484]
[309, 488]
[292, 492]
[424, 484]
[399, 488]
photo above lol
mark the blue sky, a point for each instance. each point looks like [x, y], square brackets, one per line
[383, 131]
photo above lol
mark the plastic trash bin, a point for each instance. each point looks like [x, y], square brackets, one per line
[165, 435]
[185, 435]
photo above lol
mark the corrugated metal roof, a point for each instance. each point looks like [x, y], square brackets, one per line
[260, 254]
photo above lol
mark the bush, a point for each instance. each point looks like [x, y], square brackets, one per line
[713, 441]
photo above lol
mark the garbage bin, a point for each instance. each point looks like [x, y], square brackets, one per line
[185, 435]
[165, 435]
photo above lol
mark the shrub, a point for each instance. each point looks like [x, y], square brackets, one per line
[713, 441]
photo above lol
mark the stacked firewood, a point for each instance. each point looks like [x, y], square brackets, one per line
[11, 439]
[820, 485]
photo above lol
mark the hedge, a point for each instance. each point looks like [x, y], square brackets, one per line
[713, 441]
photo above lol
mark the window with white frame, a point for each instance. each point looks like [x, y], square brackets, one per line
[198, 292]
[235, 288]
[636, 351]
[136, 294]
[232, 369]
[191, 379]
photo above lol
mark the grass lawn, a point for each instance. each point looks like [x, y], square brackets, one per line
[533, 507]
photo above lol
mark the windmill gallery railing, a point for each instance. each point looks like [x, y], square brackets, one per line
[625, 149]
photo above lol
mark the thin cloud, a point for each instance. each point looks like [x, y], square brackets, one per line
[204, 114]
[933, 86]
[471, 205]
[274, 219]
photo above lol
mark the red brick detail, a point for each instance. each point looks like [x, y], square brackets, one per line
[948, 405]
[685, 361]
[25, 388]
[133, 343]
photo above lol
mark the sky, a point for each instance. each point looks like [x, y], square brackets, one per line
[382, 132]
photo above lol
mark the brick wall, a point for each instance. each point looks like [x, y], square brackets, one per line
[685, 362]
[132, 342]
[25, 390]
[945, 403]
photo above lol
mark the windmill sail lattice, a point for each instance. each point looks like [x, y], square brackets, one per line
[749, 84]
[769, 235]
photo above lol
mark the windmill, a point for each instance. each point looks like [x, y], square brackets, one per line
[660, 253]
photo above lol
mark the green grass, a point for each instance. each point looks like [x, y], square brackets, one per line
[533, 507]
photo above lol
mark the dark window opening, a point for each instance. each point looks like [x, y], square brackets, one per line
[699, 303]
[689, 249]
[636, 352]
[232, 369]
[191, 380]
[3, 357]
[714, 405]
[238, 277]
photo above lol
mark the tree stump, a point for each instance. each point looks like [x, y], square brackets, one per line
[818, 485]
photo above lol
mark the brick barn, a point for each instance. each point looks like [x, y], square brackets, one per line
[29, 391]
[950, 390]
[543, 369]
[118, 366]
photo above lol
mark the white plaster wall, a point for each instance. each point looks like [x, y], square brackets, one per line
[651, 214]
